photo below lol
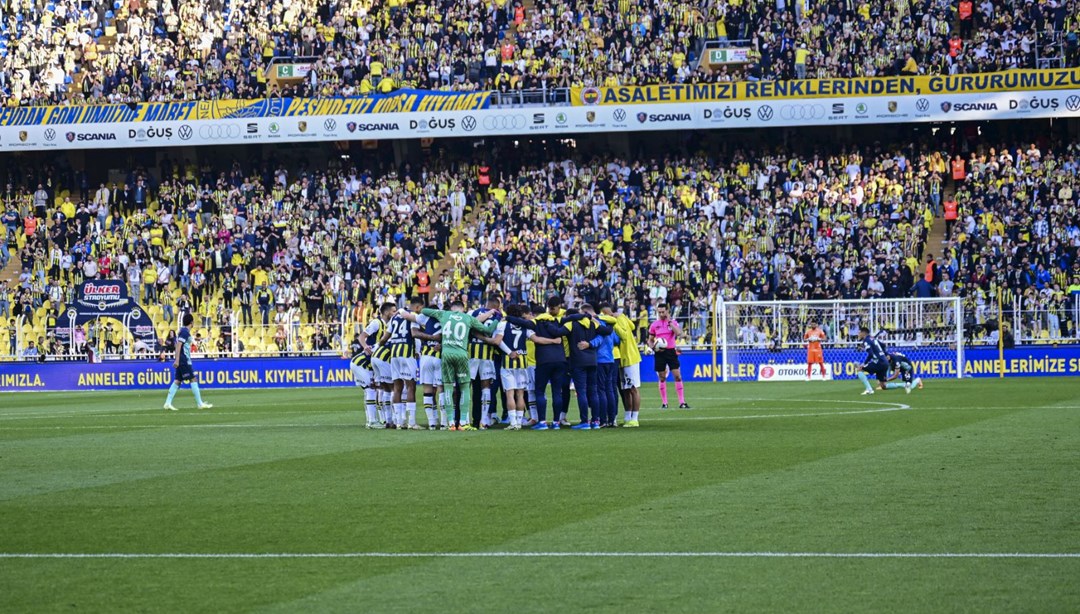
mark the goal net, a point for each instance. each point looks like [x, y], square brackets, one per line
[764, 340]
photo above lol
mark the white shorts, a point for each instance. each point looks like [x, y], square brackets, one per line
[530, 371]
[430, 371]
[361, 376]
[403, 368]
[515, 379]
[382, 371]
[482, 368]
[631, 377]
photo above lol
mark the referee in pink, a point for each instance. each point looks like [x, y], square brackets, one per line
[666, 359]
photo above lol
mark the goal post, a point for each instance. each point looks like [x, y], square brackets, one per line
[763, 340]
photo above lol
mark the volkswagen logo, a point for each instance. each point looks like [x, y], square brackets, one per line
[764, 112]
[468, 124]
[216, 131]
[504, 122]
[619, 115]
[185, 132]
[1072, 103]
[330, 125]
[50, 134]
[922, 105]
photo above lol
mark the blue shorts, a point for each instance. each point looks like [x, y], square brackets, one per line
[879, 370]
[184, 373]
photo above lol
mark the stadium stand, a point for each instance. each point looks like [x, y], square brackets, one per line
[67, 52]
[279, 256]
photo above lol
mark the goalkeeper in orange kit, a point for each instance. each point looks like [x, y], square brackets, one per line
[814, 355]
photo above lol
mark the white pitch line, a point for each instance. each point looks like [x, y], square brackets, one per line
[484, 555]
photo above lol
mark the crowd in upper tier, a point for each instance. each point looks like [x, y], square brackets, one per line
[297, 249]
[85, 51]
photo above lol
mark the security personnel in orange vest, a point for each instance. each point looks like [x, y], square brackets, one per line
[483, 179]
[958, 173]
[423, 285]
[950, 217]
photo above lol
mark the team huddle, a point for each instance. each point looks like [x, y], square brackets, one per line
[464, 360]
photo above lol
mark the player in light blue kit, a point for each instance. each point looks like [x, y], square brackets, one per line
[182, 369]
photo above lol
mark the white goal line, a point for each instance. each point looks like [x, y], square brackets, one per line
[526, 555]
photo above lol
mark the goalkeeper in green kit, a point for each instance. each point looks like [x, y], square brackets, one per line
[456, 328]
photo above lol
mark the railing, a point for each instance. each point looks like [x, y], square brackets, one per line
[1023, 323]
[556, 96]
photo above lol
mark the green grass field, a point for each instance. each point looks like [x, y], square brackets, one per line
[772, 472]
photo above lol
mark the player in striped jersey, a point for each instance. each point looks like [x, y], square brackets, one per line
[482, 363]
[428, 333]
[513, 341]
[399, 342]
[380, 361]
[360, 365]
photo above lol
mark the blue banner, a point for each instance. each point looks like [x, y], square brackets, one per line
[332, 371]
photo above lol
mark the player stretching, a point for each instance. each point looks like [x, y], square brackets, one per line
[456, 326]
[182, 369]
[902, 367]
[877, 361]
[429, 332]
[662, 335]
[360, 364]
[814, 356]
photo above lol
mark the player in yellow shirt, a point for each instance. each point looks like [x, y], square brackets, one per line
[628, 358]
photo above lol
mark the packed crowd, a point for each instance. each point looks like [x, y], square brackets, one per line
[297, 250]
[1017, 228]
[69, 52]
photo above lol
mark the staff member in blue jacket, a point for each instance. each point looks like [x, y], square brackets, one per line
[608, 375]
[583, 366]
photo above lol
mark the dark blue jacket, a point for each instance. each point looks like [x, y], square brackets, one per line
[554, 353]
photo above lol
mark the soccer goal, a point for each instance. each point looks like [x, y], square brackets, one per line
[764, 340]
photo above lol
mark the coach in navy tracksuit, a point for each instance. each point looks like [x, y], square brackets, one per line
[608, 377]
[583, 366]
[550, 365]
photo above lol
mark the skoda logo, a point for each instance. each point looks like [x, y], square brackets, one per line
[274, 128]
[185, 132]
[861, 108]
[330, 125]
[619, 115]
[1072, 103]
[468, 124]
[561, 118]
[922, 105]
[764, 112]
[50, 134]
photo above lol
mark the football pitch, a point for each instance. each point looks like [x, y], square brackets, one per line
[963, 496]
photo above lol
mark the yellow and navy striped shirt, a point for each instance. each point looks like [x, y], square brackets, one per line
[400, 342]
